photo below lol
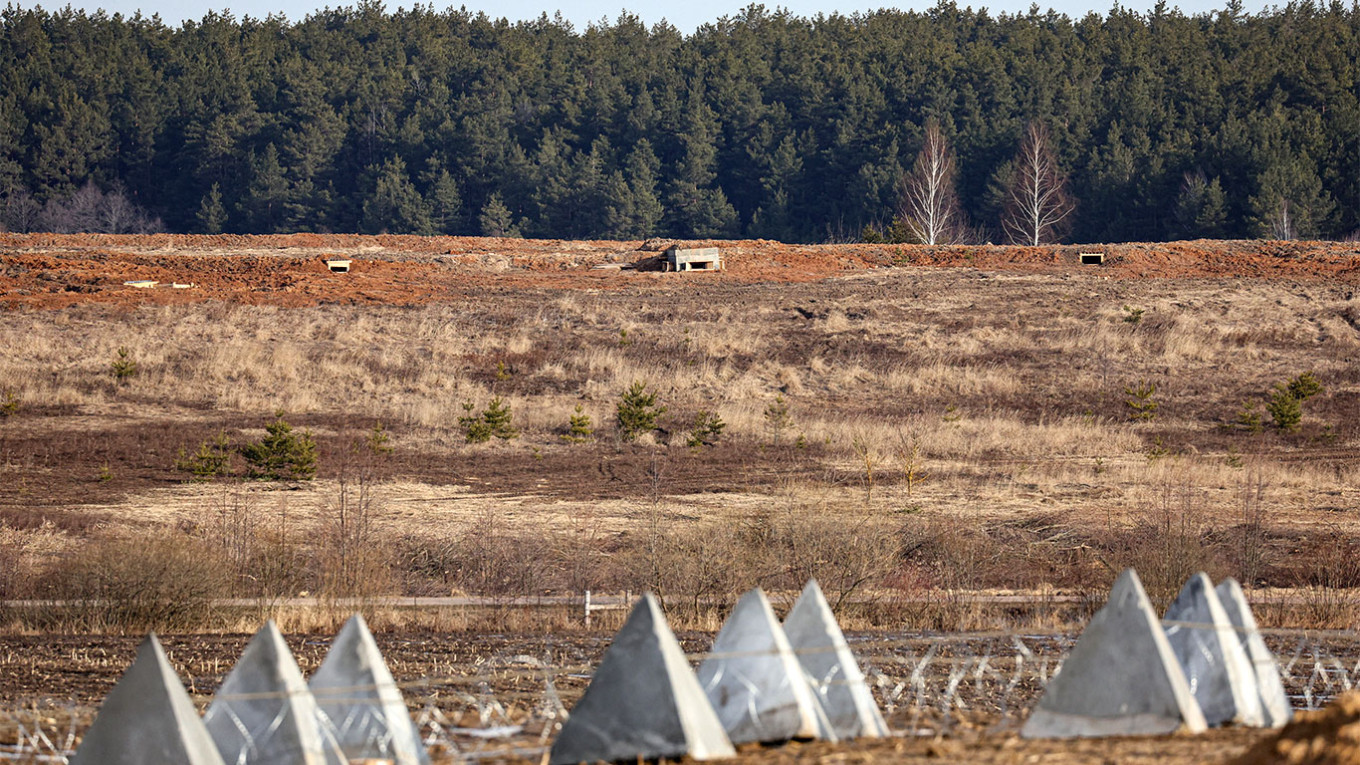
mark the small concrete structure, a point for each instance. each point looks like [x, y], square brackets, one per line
[1211, 655]
[144, 284]
[263, 713]
[1275, 706]
[831, 667]
[754, 680]
[338, 266]
[698, 259]
[643, 702]
[360, 705]
[146, 718]
[1121, 678]
[1092, 258]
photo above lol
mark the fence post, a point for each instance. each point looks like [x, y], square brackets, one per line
[587, 608]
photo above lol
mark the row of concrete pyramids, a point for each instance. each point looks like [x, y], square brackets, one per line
[264, 712]
[761, 682]
[1203, 665]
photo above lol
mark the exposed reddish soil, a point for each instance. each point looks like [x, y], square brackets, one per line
[52, 271]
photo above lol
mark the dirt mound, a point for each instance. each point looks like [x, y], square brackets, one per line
[52, 271]
[1327, 736]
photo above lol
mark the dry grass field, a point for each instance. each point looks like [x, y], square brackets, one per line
[911, 426]
[898, 431]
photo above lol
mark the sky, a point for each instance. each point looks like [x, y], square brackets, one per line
[686, 15]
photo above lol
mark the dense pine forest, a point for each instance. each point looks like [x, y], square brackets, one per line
[1152, 126]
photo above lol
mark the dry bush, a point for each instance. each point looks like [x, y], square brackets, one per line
[1169, 544]
[353, 558]
[153, 581]
[1326, 590]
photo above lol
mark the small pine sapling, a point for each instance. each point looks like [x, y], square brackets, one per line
[579, 427]
[1140, 401]
[637, 411]
[212, 459]
[124, 367]
[282, 455]
[708, 427]
[777, 417]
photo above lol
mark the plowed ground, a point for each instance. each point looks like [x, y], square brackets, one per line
[51, 271]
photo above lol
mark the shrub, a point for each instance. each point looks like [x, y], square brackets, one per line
[708, 427]
[153, 581]
[579, 428]
[1286, 400]
[1249, 417]
[1285, 408]
[212, 459]
[9, 402]
[1304, 387]
[282, 454]
[495, 420]
[1141, 404]
[777, 417]
[378, 441]
[637, 411]
[124, 367]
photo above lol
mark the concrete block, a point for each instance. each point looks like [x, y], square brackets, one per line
[360, 704]
[831, 667]
[1275, 707]
[263, 712]
[643, 702]
[1212, 656]
[1121, 678]
[147, 718]
[754, 680]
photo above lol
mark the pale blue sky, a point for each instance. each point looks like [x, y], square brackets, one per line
[686, 15]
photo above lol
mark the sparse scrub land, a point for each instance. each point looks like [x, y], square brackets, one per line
[905, 435]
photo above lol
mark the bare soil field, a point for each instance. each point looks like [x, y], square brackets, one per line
[909, 425]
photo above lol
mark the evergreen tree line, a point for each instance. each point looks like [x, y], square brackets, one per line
[1152, 126]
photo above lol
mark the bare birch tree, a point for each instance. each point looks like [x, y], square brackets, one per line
[929, 206]
[1036, 202]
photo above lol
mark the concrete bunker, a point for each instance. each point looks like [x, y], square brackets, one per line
[1092, 258]
[695, 259]
[338, 266]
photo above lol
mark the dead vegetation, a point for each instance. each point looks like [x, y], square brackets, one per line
[904, 435]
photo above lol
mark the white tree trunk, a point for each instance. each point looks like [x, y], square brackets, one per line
[929, 207]
[1037, 202]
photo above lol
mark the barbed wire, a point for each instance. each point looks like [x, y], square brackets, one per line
[926, 684]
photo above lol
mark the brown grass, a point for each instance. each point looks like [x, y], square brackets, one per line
[1009, 392]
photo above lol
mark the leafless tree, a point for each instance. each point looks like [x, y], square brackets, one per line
[19, 211]
[928, 204]
[1037, 204]
[1282, 222]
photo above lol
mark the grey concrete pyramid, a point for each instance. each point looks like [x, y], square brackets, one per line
[360, 704]
[831, 667]
[147, 718]
[643, 702]
[1275, 707]
[1212, 656]
[1121, 678]
[754, 680]
[263, 713]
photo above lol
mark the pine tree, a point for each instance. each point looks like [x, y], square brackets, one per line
[395, 206]
[443, 199]
[264, 202]
[212, 215]
[495, 218]
[1201, 208]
